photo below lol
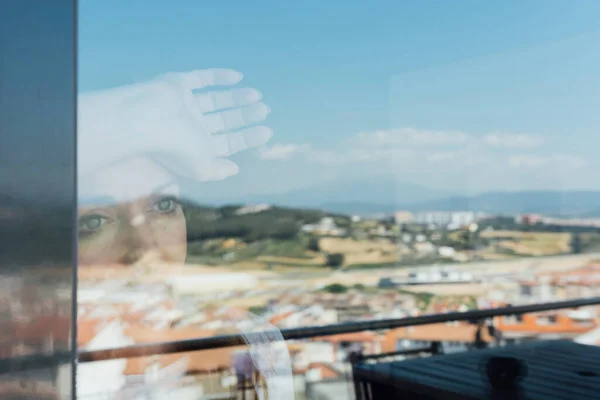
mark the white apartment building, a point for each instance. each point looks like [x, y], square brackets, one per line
[326, 226]
[253, 209]
[455, 219]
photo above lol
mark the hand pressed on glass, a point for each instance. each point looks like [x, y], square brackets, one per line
[169, 120]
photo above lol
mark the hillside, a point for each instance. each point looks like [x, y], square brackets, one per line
[258, 237]
[206, 222]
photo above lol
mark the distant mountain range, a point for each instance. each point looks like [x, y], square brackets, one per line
[563, 203]
[385, 195]
[554, 203]
[376, 195]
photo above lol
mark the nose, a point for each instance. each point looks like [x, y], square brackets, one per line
[139, 244]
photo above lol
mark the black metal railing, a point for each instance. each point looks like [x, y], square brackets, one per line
[198, 344]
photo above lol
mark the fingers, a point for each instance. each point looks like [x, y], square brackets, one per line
[200, 78]
[219, 100]
[230, 143]
[237, 118]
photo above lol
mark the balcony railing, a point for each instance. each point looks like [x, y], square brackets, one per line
[197, 344]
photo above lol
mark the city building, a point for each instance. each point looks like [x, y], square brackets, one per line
[428, 276]
[547, 325]
[253, 209]
[326, 226]
[529, 219]
[452, 219]
[561, 285]
[402, 217]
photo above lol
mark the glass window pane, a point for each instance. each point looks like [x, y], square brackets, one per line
[37, 199]
[344, 163]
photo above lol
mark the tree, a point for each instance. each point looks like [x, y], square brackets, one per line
[258, 310]
[336, 288]
[576, 245]
[313, 244]
[335, 260]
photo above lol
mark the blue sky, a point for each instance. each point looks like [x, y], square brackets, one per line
[361, 90]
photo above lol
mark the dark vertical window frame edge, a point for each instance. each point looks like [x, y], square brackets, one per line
[75, 239]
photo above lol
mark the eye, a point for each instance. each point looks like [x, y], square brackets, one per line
[91, 223]
[166, 205]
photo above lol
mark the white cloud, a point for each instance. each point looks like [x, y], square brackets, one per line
[396, 146]
[527, 161]
[570, 161]
[513, 141]
[443, 156]
[282, 152]
[445, 159]
[553, 160]
[377, 154]
[410, 137]
[454, 148]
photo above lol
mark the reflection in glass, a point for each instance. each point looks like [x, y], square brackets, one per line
[137, 145]
[426, 160]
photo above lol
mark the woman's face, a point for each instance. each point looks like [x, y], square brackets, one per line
[130, 214]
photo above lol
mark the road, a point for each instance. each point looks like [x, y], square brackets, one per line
[490, 268]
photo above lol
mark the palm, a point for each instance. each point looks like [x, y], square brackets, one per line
[167, 117]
